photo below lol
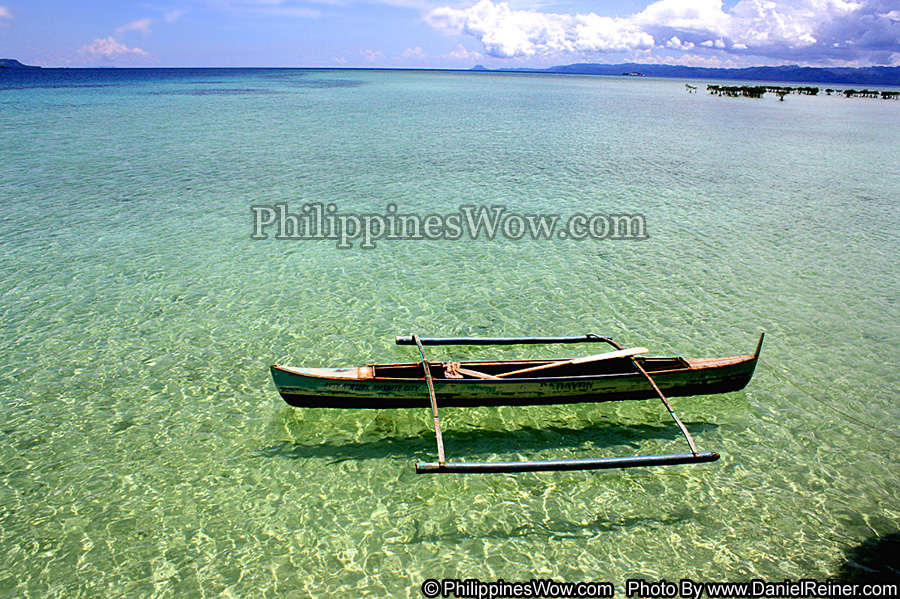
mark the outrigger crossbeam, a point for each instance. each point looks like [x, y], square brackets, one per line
[442, 465]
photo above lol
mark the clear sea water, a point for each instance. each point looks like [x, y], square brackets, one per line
[144, 451]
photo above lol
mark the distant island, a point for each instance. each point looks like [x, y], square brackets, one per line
[790, 73]
[11, 63]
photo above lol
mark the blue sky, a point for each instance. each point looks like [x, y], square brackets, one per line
[449, 33]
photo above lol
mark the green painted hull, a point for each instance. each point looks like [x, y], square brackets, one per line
[613, 380]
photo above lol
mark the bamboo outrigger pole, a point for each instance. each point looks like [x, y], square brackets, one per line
[589, 338]
[672, 459]
[549, 465]
[665, 401]
[434, 409]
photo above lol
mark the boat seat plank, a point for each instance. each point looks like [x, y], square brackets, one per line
[622, 353]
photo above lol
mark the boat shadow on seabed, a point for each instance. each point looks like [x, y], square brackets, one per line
[485, 442]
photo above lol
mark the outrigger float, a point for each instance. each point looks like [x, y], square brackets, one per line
[611, 376]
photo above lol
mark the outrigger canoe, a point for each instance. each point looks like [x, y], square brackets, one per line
[610, 376]
[384, 386]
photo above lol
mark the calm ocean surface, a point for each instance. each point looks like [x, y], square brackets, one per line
[144, 451]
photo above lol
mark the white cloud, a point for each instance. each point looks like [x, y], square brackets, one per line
[414, 53]
[761, 23]
[803, 30]
[372, 55]
[677, 44]
[110, 48]
[506, 33]
[694, 60]
[299, 12]
[173, 15]
[5, 13]
[460, 53]
[605, 34]
[278, 8]
[684, 15]
[142, 25]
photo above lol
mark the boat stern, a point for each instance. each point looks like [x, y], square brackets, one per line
[354, 373]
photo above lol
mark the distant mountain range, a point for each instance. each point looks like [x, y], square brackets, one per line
[791, 73]
[787, 73]
[11, 63]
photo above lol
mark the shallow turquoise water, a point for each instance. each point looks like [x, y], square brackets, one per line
[145, 452]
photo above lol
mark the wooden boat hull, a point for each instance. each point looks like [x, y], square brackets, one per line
[613, 380]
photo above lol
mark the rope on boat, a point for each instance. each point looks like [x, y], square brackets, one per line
[826, 404]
